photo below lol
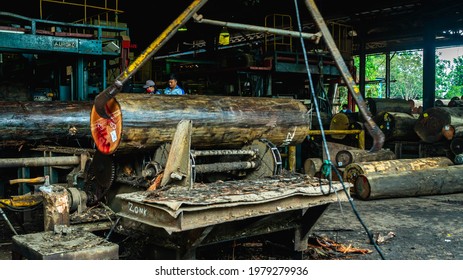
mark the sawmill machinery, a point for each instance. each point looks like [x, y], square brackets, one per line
[162, 163]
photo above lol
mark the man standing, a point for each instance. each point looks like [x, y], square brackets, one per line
[173, 88]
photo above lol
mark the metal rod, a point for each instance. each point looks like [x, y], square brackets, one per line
[239, 26]
[198, 153]
[224, 166]
[375, 132]
[39, 161]
[8, 221]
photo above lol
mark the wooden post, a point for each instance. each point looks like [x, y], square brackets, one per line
[56, 207]
[346, 157]
[178, 165]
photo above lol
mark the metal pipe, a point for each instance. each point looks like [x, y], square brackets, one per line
[40, 161]
[224, 166]
[375, 132]
[198, 153]
[239, 26]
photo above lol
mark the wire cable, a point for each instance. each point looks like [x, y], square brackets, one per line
[328, 161]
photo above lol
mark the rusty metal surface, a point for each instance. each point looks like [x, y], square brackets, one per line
[178, 209]
[72, 246]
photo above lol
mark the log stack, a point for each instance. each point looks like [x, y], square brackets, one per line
[397, 126]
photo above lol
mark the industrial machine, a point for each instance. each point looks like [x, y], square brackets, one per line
[181, 171]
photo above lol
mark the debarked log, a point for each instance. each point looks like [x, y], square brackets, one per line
[433, 122]
[143, 121]
[54, 121]
[353, 170]
[346, 157]
[397, 125]
[442, 180]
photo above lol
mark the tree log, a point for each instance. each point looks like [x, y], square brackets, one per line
[397, 125]
[378, 105]
[346, 157]
[353, 170]
[312, 166]
[456, 145]
[142, 121]
[441, 180]
[432, 122]
[343, 121]
[36, 122]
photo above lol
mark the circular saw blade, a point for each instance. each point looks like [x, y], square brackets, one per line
[100, 176]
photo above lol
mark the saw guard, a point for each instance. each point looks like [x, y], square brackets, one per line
[107, 132]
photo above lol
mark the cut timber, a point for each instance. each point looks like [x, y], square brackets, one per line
[451, 131]
[149, 120]
[178, 165]
[432, 122]
[378, 105]
[40, 122]
[442, 180]
[397, 125]
[343, 121]
[346, 157]
[56, 207]
[312, 166]
[353, 170]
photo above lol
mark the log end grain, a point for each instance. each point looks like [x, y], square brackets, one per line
[362, 187]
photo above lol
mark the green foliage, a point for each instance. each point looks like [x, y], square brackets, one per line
[407, 75]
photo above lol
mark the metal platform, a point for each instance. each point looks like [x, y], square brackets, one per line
[184, 219]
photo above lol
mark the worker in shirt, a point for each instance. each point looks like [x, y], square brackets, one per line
[173, 88]
[150, 87]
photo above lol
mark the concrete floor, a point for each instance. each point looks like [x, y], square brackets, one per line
[425, 228]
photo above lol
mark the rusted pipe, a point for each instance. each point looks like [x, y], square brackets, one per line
[224, 166]
[39, 161]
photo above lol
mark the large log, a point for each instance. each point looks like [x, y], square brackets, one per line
[343, 121]
[346, 157]
[143, 121]
[353, 170]
[432, 122]
[312, 166]
[442, 180]
[44, 121]
[397, 125]
[378, 105]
